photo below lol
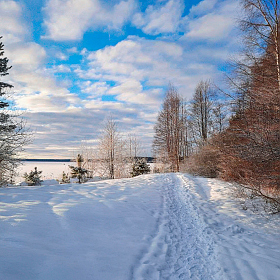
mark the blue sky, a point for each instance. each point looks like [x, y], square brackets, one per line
[77, 62]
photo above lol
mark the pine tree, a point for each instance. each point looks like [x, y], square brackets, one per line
[12, 132]
[140, 167]
[79, 173]
[65, 178]
[33, 178]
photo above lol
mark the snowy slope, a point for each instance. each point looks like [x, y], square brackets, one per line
[165, 226]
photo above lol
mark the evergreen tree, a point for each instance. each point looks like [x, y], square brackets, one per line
[140, 167]
[12, 133]
[33, 178]
[65, 179]
[79, 173]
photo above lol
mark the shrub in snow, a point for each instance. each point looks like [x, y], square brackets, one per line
[204, 163]
[79, 173]
[156, 170]
[65, 178]
[140, 167]
[33, 178]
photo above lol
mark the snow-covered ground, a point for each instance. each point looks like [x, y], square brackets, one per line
[162, 226]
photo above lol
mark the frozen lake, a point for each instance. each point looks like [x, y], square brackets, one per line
[51, 170]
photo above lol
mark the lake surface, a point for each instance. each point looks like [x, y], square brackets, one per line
[51, 170]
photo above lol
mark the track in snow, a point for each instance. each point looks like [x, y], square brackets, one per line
[181, 246]
[245, 245]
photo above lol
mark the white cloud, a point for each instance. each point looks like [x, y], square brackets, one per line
[203, 7]
[131, 91]
[61, 68]
[26, 55]
[70, 19]
[72, 50]
[35, 87]
[41, 103]
[161, 18]
[94, 89]
[210, 27]
[137, 70]
[12, 27]
[134, 56]
[212, 20]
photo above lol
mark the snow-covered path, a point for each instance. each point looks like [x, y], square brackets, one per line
[180, 247]
[165, 226]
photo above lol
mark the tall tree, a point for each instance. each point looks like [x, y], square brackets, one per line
[201, 110]
[251, 144]
[207, 116]
[170, 129]
[134, 147]
[111, 150]
[12, 132]
[258, 72]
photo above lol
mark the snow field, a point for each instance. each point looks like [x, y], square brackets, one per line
[161, 226]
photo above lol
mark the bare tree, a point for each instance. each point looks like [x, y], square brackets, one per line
[201, 109]
[111, 150]
[134, 149]
[134, 146]
[257, 72]
[170, 138]
[206, 116]
[261, 26]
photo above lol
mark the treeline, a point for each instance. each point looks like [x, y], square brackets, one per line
[193, 137]
[182, 128]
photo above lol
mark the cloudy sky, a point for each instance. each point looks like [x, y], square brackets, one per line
[77, 62]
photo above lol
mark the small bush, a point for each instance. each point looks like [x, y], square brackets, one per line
[33, 178]
[204, 163]
[65, 178]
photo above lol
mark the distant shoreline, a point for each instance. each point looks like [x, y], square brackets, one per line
[48, 160]
[148, 159]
